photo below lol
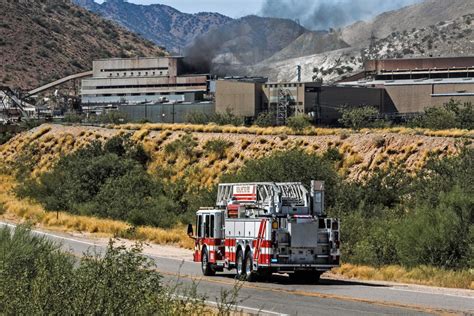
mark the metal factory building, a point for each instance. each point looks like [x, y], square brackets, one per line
[248, 98]
[141, 80]
[416, 84]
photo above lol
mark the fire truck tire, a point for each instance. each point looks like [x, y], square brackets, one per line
[250, 274]
[240, 264]
[206, 267]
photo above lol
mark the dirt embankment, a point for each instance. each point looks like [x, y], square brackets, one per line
[359, 153]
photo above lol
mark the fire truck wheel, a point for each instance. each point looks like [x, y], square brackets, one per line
[205, 265]
[240, 264]
[250, 275]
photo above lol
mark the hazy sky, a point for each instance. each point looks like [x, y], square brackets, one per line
[232, 8]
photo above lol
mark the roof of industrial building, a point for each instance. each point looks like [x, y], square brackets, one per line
[403, 82]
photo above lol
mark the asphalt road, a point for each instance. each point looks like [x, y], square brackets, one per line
[281, 296]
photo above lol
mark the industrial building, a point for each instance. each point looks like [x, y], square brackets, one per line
[141, 80]
[413, 85]
[248, 98]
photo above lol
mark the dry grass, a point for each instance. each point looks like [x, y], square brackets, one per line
[377, 150]
[424, 275]
[312, 131]
[21, 210]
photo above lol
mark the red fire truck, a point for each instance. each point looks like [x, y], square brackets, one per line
[266, 227]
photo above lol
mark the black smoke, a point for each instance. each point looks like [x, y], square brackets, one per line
[325, 14]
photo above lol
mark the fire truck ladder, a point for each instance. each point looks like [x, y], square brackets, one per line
[283, 106]
[259, 241]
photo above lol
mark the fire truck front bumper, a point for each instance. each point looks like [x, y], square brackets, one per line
[303, 266]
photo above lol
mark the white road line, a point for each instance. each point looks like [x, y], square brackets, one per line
[52, 235]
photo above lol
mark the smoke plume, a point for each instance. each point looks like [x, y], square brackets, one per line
[325, 14]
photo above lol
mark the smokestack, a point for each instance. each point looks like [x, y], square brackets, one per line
[298, 70]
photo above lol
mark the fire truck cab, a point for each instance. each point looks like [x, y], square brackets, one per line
[266, 227]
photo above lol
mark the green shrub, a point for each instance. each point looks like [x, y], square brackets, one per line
[358, 117]
[5, 137]
[227, 118]
[266, 119]
[451, 115]
[72, 118]
[439, 235]
[217, 146]
[299, 122]
[37, 278]
[195, 117]
[185, 145]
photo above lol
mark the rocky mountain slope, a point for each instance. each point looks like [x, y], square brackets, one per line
[42, 41]
[428, 12]
[445, 38]
[161, 24]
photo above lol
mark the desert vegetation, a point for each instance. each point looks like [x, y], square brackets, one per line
[39, 278]
[138, 181]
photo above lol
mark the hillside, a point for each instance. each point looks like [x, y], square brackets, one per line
[418, 16]
[161, 24]
[359, 152]
[45, 40]
[445, 38]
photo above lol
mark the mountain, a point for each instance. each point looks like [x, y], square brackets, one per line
[273, 47]
[310, 43]
[161, 24]
[46, 40]
[428, 12]
[445, 38]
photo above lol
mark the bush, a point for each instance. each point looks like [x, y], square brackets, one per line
[451, 115]
[37, 278]
[217, 146]
[299, 122]
[359, 117]
[5, 137]
[185, 145]
[197, 118]
[72, 118]
[439, 235]
[111, 181]
[226, 118]
[265, 119]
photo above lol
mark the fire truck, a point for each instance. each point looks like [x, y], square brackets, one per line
[267, 227]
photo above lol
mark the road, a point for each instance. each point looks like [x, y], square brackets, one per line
[280, 296]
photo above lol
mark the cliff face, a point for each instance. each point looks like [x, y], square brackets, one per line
[360, 153]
